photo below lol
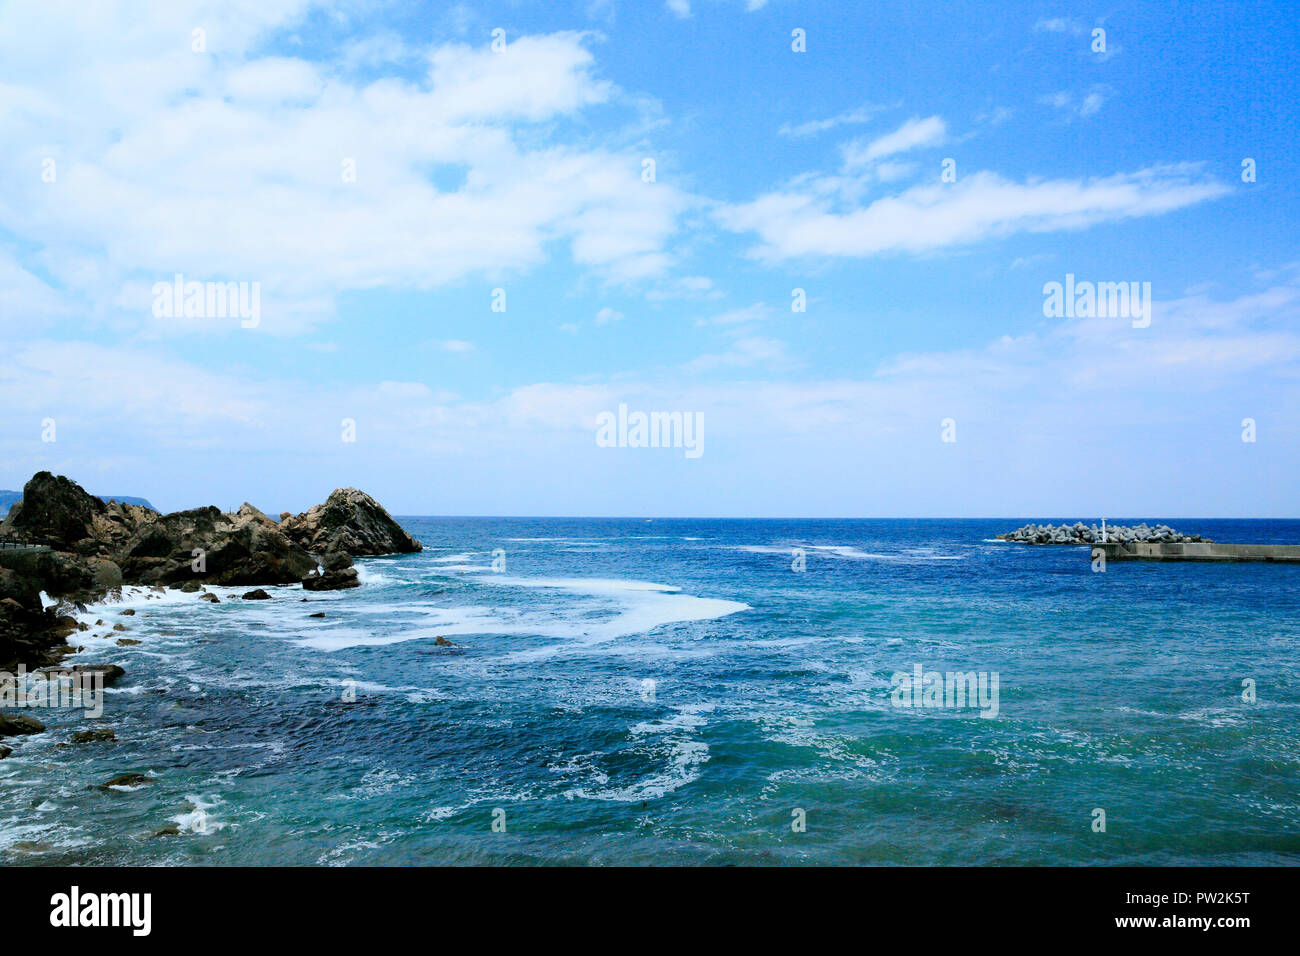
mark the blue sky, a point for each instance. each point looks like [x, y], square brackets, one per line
[522, 169]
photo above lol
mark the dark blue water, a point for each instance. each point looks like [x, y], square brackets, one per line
[671, 691]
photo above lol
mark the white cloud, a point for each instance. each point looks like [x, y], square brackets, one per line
[607, 315]
[981, 205]
[231, 168]
[913, 134]
[26, 301]
[1033, 405]
[274, 80]
[454, 345]
[744, 352]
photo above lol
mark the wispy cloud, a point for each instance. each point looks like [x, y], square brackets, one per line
[758, 312]
[980, 206]
[853, 117]
[913, 134]
[453, 345]
[744, 352]
[1082, 107]
[1059, 25]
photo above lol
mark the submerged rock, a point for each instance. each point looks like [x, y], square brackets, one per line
[19, 724]
[210, 598]
[101, 735]
[256, 595]
[125, 780]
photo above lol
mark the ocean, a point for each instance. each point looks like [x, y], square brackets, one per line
[655, 691]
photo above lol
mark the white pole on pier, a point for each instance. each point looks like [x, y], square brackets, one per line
[1103, 530]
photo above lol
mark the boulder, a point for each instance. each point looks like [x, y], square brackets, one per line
[335, 560]
[210, 598]
[105, 573]
[109, 674]
[18, 724]
[331, 580]
[27, 635]
[256, 595]
[5, 752]
[349, 521]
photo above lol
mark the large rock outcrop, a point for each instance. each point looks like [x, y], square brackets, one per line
[55, 510]
[244, 548]
[349, 521]
[95, 547]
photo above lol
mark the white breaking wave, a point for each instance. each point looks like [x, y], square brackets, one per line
[582, 585]
[637, 607]
[844, 551]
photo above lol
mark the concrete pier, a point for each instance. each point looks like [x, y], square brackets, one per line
[1200, 551]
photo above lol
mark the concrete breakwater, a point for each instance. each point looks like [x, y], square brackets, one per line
[1198, 551]
[1079, 533]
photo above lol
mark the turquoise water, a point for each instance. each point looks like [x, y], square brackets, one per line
[770, 694]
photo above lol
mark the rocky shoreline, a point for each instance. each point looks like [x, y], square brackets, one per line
[73, 550]
[1079, 533]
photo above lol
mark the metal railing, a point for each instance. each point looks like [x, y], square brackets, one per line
[15, 543]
